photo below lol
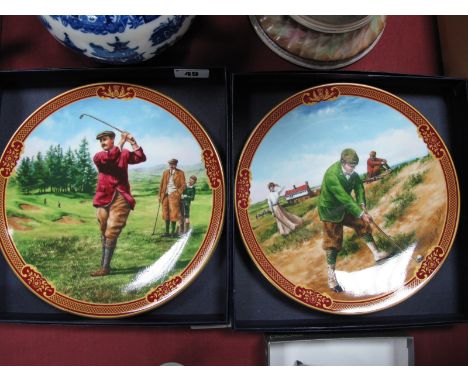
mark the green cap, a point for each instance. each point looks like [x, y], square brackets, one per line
[349, 156]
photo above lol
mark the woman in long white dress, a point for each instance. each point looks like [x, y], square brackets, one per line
[286, 221]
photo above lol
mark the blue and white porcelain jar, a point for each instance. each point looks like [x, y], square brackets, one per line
[120, 39]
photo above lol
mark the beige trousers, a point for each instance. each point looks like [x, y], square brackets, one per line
[113, 218]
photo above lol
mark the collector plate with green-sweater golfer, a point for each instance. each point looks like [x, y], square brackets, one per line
[112, 199]
[347, 198]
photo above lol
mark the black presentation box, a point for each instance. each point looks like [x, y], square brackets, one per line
[206, 301]
[258, 305]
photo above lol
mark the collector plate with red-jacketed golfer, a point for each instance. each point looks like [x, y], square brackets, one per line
[332, 194]
[112, 200]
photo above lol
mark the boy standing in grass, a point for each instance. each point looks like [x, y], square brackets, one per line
[337, 208]
[113, 198]
[188, 196]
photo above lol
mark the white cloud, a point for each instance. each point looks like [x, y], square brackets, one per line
[327, 111]
[149, 111]
[395, 145]
[48, 124]
[74, 141]
[160, 149]
[33, 145]
[294, 171]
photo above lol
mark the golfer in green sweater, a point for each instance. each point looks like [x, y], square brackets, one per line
[337, 208]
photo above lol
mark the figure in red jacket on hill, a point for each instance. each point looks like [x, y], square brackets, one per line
[113, 198]
[375, 166]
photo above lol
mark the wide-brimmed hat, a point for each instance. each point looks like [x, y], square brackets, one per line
[271, 184]
[173, 161]
[106, 133]
[193, 177]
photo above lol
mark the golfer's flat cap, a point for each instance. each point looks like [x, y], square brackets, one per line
[173, 161]
[349, 156]
[107, 133]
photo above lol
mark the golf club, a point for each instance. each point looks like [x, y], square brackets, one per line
[104, 122]
[418, 258]
[156, 220]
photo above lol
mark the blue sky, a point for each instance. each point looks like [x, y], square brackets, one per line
[306, 141]
[161, 135]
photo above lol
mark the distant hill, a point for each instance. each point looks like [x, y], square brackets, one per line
[137, 173]
[145, 181]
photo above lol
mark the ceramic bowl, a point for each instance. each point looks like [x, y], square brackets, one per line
[123, 39]
[320, 42]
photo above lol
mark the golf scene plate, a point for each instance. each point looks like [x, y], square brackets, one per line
[347, 198]
[112, 200]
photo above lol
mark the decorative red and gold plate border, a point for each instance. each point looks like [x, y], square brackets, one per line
[32, 278]
[313, 298]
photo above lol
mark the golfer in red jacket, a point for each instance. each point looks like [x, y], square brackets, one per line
[113, 198]
[375, 165]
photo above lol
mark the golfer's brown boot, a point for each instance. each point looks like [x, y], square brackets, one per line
[106, 259]
[101, 272]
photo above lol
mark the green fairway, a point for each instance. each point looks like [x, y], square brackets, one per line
[64, 243]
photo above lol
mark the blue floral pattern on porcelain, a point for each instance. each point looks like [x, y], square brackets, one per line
[120, 51]
[118, 39]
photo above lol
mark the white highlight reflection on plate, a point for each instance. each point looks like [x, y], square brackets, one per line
[380, 278]
[161, 268]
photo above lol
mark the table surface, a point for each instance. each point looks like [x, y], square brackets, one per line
[409, 45]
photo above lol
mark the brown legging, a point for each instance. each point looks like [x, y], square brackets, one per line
[171, 207]
[112, 219]
[333, 232]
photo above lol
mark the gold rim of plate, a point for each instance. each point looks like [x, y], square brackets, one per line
[322, 300]
[29, 275]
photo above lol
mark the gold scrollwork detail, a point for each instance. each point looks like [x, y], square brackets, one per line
[432, 140]
[213, 169]
[35, 280]
[430, 263]
[116, 92]
[164, 289]
[243, 188]
[10, 158]
[325, 93]
[312, 297]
